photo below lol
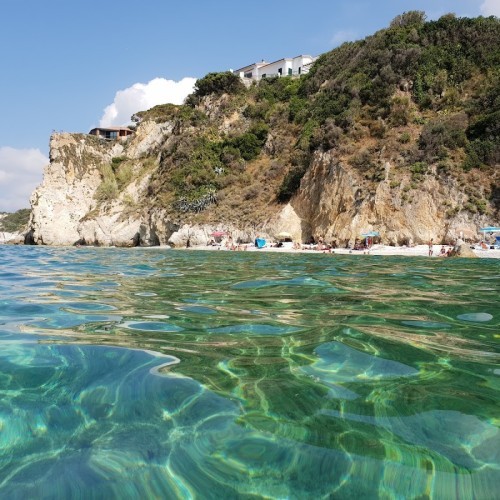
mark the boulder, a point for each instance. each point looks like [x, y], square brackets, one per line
[463, 250]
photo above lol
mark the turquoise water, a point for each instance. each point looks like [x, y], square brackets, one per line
[186, 374]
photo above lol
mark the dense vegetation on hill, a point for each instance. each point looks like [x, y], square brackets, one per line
[424, 96]
[13, 222]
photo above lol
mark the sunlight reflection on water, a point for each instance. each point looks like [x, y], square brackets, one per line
[295, 376]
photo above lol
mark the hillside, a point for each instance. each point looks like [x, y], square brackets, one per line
[398, 132]
[14, 222]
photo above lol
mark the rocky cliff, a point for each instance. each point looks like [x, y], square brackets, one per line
[383, 135]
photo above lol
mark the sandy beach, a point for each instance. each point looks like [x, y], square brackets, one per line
[415, 251]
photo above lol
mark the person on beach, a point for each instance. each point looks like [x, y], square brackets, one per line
[431, 250]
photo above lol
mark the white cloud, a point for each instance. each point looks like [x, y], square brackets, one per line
[142, 96]
[20, 172]
[343, 36]
[490, 8]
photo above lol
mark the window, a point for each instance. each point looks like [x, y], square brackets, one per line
[289, 71]
[248, 75]
[299, 69]
[280, 71]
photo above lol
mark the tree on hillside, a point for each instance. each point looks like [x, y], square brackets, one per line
[411, 18]
[215, 83]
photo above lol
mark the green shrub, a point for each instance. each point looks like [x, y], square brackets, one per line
[231, 157]
[326, 137]
[250, 143]
[410, 18]
[448, 132]
[482, 206]
[128, 201]
[308, 132]
[404, 138]
[106, 171]
[377, 129]
[193, 167]
[444, 167]
[215, 83]
[400, 111]
[418, 170]
[168, 112]
[277, 89]
[378, 175]
[258, 111]
[418, 119]
[362, 160]
[124, 175]
[107, 191]
[116, 161]
[484, 145]
[487, 125]
[297, 109]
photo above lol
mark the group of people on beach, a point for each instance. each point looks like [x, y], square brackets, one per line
[444, 252]
[317, 244]
[313, 243]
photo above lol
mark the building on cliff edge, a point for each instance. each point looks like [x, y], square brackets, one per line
[288, 66]
[112, 133]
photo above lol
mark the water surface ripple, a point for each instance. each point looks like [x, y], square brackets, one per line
[184, 374]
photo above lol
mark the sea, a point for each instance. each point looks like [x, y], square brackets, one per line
[160, 373]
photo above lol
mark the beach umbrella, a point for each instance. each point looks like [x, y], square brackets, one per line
[490, 229]
[218, 234]
[284, 235]
[371, 234]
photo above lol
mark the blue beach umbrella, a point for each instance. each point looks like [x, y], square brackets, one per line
[371, 234]
[490, 229]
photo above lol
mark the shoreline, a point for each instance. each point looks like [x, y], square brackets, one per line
[382, 250]
[379, 250]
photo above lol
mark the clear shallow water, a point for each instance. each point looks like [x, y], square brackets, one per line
[162, 374]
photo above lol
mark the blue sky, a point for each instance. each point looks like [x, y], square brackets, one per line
[70, 65]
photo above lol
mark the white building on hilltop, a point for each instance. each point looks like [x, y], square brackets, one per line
[289, 66]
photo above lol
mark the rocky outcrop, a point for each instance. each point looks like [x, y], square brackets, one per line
[333, 202]
[65, 207]
[462, 250]
[6, 237]
[67, 192]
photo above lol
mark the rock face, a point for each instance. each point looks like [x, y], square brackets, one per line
[6, 237]
[333, 201]
[66, 194]
[66, 208]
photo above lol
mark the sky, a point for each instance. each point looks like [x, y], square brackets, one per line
[72, 65]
